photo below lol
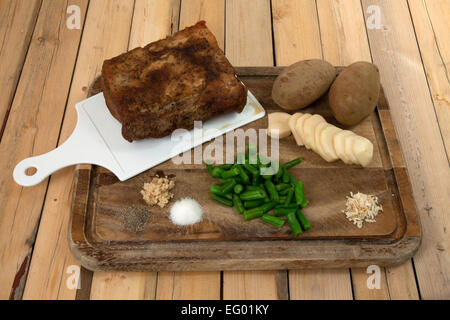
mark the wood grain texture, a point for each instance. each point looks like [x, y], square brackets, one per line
[188, 286]
[320, 284]
[105, 35]
[248, 36]
[250, 285]
[152, 21]
[248, 42]
[395, 51]
[123, 286]
[17, 21]
[32, 128]
[431, 24]
[211, 11]
[296, 31]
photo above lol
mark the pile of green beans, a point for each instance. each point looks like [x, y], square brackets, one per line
[254, 195]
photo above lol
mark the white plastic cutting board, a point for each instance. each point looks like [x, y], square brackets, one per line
[97, 139]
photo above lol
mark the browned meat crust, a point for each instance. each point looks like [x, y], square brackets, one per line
[170, 83]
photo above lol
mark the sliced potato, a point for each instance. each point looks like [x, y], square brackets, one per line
[349, 141]
[339, 145]
[279, 121]
[299, 126]
[326, 141]
[292, 121]
[317, 147]
[309, 127]
[363, 150]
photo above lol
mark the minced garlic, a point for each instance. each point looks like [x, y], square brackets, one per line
[361, 207]
[157, 191]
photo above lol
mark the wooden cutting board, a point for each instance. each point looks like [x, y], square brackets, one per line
[223, 240]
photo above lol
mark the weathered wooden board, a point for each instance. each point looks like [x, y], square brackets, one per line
[223, 240]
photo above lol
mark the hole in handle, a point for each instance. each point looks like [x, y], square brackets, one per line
[30, 171]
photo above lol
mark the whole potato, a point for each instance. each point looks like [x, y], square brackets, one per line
[302, 83]
[354, 94]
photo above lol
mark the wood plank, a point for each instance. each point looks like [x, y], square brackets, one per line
[320, 284]
[212, 11]
[195, 285]
[248, 36]
[17, 21]
[431, 24]
[105, 35]
[32, 128]
[188, 286]
[245, 20]
[152, 20]
[250, 285]
[296, 31]
[123, 286]
[394, 49]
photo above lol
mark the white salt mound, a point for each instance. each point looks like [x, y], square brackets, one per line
[185, 212]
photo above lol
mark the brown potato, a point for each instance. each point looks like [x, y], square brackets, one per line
[302, 83]
[354, 94]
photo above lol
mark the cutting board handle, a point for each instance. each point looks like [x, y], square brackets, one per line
[34, 170]
[85, 145]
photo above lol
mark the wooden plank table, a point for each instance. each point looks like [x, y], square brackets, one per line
[47, 67]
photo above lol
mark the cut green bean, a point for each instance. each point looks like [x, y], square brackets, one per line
[277, 222]
[282, 186]
[251, 169]
[217, 172]
[285, 191]
[292, 163]
[253, 213]
[244, 176]
[290, 206]
[238, 204]
[251, 195]
[229, 186]
[289, 197]
[273, 194]
[215, 189]
[238, 188]
[299, 193]
[251, 188]
[286, 178]
[222, 200]
[279, 211]
[306, 225]
[256, 179]
[279, 173]
[230, 173]
[294, 224]
[266, 207]
[253, 203]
